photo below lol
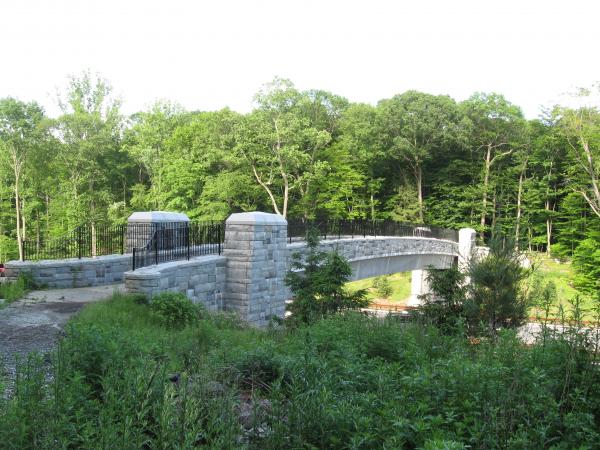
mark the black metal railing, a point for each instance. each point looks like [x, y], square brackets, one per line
[179, 242]
[153, 243]
[342, 228]
[83, 241]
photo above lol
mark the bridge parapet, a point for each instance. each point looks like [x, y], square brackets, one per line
[257, 257]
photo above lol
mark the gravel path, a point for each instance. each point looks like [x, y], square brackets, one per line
[35, 322]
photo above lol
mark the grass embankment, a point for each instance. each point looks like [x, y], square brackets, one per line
[561, 274]
[400, 283]
[123, 379]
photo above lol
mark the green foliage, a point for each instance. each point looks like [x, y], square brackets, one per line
[495, 291]
[382, 286]
[349, 381]
[586, 260]
[14, 290]
[400, 283]
[317, 281]
[443, 307]
[174, 309]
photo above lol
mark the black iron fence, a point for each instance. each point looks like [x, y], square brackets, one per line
[153, 243]
[341, 228]
[83, 241]
[179, 242]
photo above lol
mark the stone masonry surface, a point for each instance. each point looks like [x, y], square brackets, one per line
[202, 279]
[370, 247]
[256, 252]
[68, 273]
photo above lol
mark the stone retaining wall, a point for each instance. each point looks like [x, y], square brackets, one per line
[67, 273]
[202, 279]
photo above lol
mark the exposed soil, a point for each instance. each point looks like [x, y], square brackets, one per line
[35, 323]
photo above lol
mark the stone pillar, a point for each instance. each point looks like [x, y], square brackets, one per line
[256, 252]
[418, 286]
[466, 247]
[142, 225]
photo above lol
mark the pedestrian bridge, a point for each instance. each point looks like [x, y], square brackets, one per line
[373, 256]
[248, 275]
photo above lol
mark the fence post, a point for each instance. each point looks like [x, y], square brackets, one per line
[123, 228]
[188, 242]
[79, 242]
[156, 247]
[133, 263]
[219, 237]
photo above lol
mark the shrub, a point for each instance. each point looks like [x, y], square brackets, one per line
[174, 309]
[443, 306]
[495, 294]
[14, 290]
[586, 261]
[382, 286]
[140, 299]
[258, 368]
[317, 284]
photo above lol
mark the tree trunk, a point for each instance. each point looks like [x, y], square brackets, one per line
[494, 208]
[23, 217]
[93, 229]
[266, 188]
[18, 214]
[37, 230]
[594, 199]
[486, 177]
[286, 193]
[548, 226]
[419, 178]
[519, 195]
[372, 205]
[47, 216]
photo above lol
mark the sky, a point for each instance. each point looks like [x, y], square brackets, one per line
[206, 55]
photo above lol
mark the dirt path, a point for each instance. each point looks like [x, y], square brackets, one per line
[35, 322]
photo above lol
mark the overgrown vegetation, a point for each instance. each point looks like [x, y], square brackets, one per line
[174, 309]
[317, 280]
[489, 296]
[123, 379]
[14, 290]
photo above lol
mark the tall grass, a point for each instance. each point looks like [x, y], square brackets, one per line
[122, 378]
[14, 290]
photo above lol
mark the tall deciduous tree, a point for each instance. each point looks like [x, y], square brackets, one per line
[414, 126]
[22, 132]
[280, 145]
[582, 130]
[90, 130]
[147, 140]
[497, 129]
